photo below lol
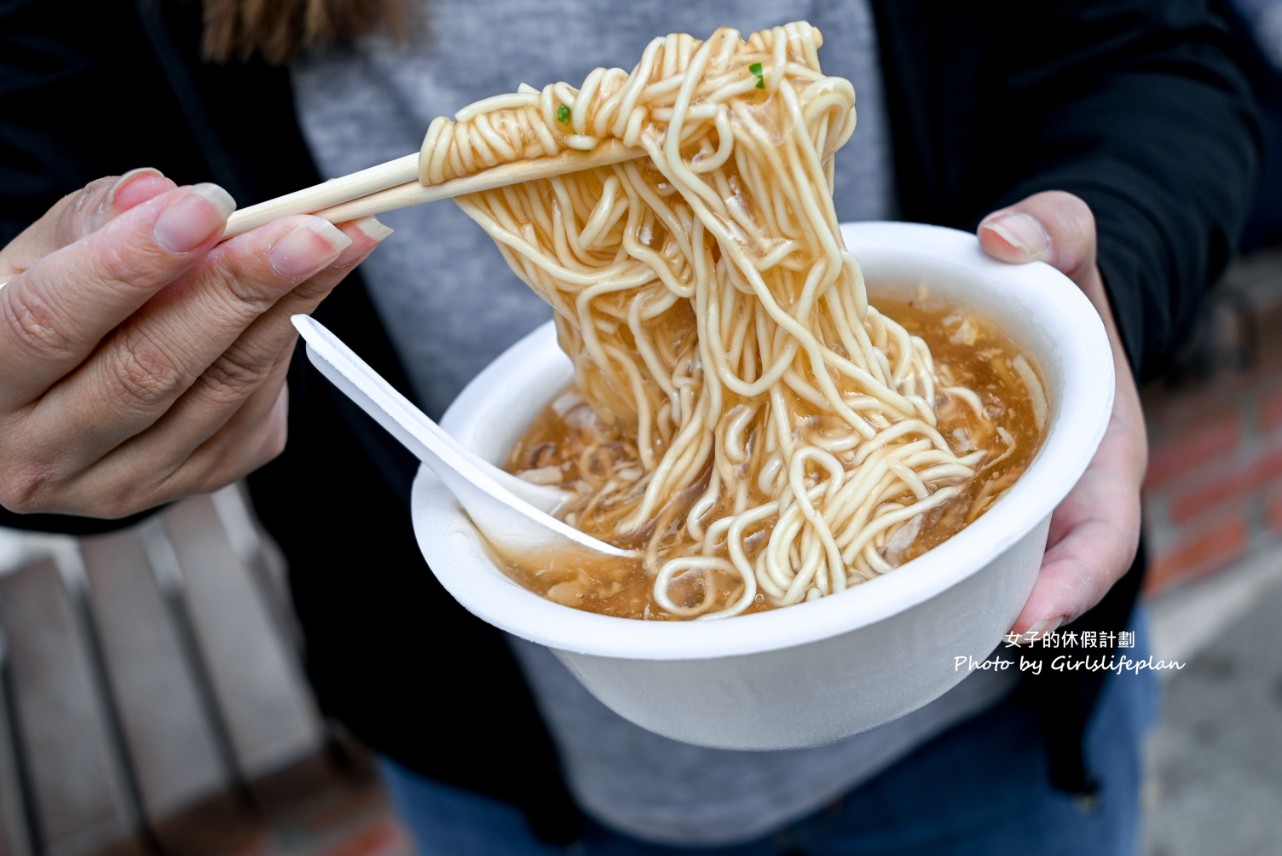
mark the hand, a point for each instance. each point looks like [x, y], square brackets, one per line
[1095, 531]
[140, 359]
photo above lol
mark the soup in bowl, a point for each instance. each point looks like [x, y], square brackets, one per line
[824, 669]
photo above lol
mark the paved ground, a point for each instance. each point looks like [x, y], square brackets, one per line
[1215, 759]
[1215, 780]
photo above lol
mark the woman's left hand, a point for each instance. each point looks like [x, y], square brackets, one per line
[1095, 531]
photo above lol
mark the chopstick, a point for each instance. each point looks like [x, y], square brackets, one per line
[325, 194]
[394, 184]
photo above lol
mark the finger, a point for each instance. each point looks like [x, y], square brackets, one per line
[130, 479]
[252, 367]
[134, 188]
[81, 213]
[1053, 227]
[143, 367]
[1094, 533]
[55, 314]
[157, 465]
[255, 435]
[1078, 570]
[232, 421]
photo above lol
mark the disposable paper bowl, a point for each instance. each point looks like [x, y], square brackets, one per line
[821, 671]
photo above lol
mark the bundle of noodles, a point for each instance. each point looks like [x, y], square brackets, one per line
[754, 424]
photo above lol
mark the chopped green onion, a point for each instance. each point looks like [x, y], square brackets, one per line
[755, 68]
[563, 114]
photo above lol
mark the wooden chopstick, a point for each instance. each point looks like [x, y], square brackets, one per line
[325, 194]
[395, 184]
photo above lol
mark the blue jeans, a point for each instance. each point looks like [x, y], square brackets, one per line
[978, 789]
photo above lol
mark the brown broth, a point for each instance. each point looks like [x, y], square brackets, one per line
[967, 351]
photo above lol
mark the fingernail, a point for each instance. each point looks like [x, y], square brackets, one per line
[370, 228]
[128, 178]
[373, 228]
[197, 216]
[308, 248]
[1022, 232]
[1045, 627]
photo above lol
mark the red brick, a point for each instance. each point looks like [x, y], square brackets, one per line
[1214, 482]
[1271, 413]
[1172, 411]
[1205, 497]
[1178, 454]
[1212, 487]
[1191, 484]
[1272, 501]
[1268, 466]
[383, 839]
[1200, 554]
[259, 845]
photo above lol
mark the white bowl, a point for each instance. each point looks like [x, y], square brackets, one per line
[820, 671]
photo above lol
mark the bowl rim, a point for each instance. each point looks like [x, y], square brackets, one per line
[1087, 394]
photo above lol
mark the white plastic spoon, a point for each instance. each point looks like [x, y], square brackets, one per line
[513, 514]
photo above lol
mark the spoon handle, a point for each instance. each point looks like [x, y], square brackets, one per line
[498, 502]
[428, 441]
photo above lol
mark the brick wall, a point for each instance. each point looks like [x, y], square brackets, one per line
[1214, 486]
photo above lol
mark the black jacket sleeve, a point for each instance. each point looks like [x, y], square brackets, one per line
[1139, 107]
[1149, 119]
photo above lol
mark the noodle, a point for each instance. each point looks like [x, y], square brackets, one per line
[755, 426]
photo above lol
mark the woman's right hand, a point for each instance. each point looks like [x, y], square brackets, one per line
[140, 359]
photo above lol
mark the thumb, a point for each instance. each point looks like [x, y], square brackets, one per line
[1053, 227]
[81, 213]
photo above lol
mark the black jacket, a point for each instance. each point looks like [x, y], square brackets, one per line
[1135, 106]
